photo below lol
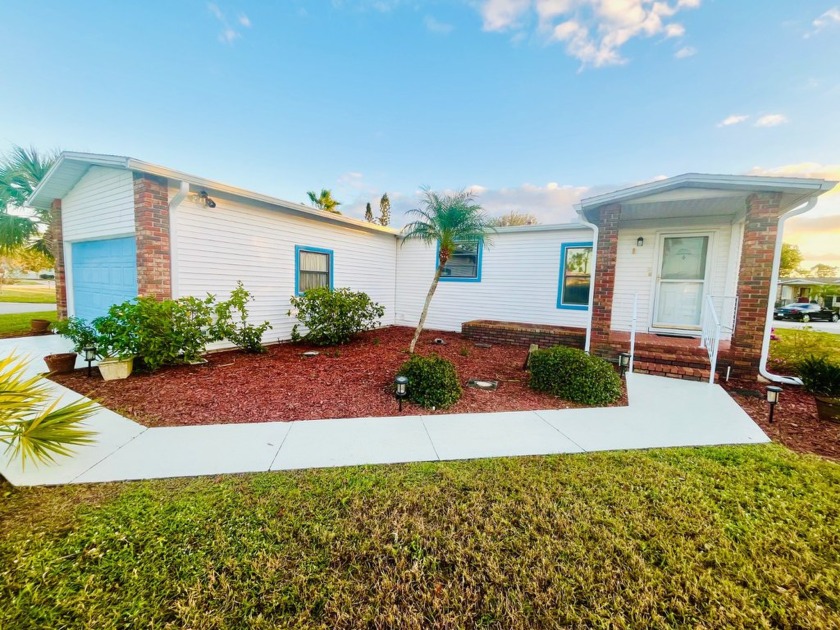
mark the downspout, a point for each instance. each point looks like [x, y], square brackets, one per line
[774, 283]
[594, 228]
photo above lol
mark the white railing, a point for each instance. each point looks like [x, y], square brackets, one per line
[623, 304]
[633, 330]
[710, 337]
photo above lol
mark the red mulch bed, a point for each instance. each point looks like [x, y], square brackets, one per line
[795, 421]
[354, 380]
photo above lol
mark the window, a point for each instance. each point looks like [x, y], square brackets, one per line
[464, 264]
[313, 268]
[575, 274]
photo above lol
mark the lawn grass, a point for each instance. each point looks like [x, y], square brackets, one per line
[29, 295]
[18, 323]
[735, 537]
[793, 345]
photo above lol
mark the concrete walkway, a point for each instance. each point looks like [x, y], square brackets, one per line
[662, 413]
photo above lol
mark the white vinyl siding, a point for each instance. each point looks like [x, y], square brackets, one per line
[215, 247]
[520, 277]
[100, 206]
[636, 267]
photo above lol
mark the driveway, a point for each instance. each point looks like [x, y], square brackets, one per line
[829, 327]
[8, 308]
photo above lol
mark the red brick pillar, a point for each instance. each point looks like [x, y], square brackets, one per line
[57, 236]
[151, 225]
[754, 276]
[607, 222]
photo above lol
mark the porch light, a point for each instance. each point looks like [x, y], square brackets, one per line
[401, 388]
[773, 392]
[623, 362]
[640, 242]
[90, 355]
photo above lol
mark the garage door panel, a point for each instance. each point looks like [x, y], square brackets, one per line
[104, 273]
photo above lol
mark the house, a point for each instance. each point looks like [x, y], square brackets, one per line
[823, 290]
[650, 266]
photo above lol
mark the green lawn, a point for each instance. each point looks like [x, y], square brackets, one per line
[735, 537]
[33, 295]
[18, 323]
[795, 345]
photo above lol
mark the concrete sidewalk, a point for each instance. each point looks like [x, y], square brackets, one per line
[662, 412]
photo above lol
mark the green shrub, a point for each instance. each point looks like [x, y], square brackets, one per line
[574, 375]
[820, 377]
[334, 317]
[232, 322]
[432, 381]
[77, 330]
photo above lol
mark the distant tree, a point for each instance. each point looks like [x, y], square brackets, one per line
[324, 200]
[21, 170]
[823, 271]
[21, 260]
[368, 213]
[791, 259]
[514, 218]
[444, 220]
[385, 210]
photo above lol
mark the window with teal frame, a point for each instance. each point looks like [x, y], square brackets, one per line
[575, 276]
[464, 264]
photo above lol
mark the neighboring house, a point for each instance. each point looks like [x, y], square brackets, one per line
[661, 250]
[823, 290]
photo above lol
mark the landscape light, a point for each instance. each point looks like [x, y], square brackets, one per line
[401, 388]
[90, 356]
[773, 392]
[623, 362]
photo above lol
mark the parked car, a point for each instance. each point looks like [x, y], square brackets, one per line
[805, 313]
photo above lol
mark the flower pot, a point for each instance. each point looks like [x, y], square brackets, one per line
[60, 363]
[39, 326]
[114, 369]
[828, 408]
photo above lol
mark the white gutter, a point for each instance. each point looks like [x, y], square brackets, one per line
[594, 229]
[774, 282]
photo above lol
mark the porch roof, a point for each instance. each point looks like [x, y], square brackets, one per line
[695, 194]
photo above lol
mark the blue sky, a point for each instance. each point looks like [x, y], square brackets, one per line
[533, 103]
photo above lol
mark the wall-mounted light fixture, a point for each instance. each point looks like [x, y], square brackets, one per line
[640, 242]
[208, 203]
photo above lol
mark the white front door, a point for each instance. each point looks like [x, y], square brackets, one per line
[681, 281]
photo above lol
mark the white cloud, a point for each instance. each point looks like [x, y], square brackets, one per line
[685, 52]
[771, 120]
[228, 34]
[593, 31]
[826, 20]
[734, 119]
[435, 26]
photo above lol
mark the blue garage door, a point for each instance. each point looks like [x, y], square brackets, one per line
[104, 273]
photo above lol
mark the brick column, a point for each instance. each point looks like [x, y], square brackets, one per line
[758, 247]
[607, 222]
[56, 235]
[151, 225]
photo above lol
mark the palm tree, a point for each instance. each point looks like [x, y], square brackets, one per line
[31, 426]
[445, 220]
[324, 201]
[20, 172]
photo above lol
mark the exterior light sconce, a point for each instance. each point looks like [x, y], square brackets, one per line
[205, 199]
[773, 392]
[90, 355]
[640, 242]
[401, 388]
[623, 362]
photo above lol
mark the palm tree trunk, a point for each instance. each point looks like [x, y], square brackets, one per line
[425, 312]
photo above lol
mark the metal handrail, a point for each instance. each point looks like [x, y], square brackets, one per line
[710, 336]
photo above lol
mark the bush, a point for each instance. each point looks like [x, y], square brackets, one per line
[820, 377]
[77, 330]
[334, 317]
[574, 375]
[432, 381]
[232, 322]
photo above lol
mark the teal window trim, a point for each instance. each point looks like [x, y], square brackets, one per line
[563, 248]
[314, 250]
[479, 257]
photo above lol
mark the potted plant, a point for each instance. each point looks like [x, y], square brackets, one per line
[39, 326]
[821, 378]
[115, 344]
[77, 330]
